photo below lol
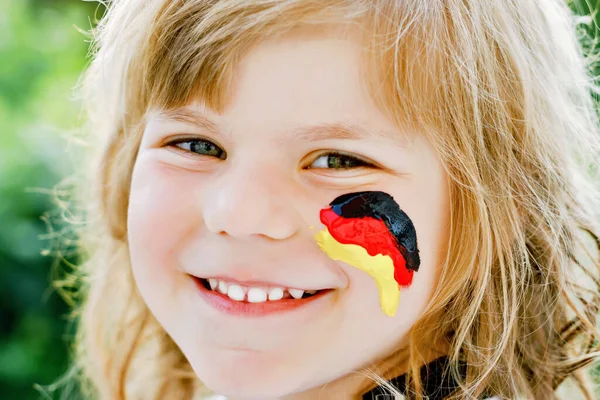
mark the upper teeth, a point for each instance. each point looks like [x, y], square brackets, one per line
[255, 294]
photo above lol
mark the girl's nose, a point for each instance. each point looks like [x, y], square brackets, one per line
[247, 204]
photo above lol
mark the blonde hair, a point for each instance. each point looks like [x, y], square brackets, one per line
[498, 87]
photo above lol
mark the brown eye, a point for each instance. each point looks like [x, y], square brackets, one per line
[335, 160]
[202, 147]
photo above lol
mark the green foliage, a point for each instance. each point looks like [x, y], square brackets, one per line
[41, 57]
[42, 53]
[588, 31]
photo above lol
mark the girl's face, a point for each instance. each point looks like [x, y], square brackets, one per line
[234, 198]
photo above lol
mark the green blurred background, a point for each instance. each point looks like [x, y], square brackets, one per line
[43, 50]
[42, 53]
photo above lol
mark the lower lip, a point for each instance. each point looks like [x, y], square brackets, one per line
[223, 303]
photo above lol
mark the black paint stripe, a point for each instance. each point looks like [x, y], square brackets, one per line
[382, 206]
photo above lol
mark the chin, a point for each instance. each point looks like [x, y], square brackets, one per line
[250, 378]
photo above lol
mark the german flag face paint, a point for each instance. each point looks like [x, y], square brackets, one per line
[369, 231]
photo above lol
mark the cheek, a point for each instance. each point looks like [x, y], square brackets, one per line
[161, 214]
[425, 199]
[430, 212]
[426, 202]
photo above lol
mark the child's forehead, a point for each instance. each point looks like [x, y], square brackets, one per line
[305, 86]
[213, 74]
[175, 77]
[206, 56]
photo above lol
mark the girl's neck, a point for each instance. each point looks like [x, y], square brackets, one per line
[354, 385]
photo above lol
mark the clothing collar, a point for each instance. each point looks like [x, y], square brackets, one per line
[436, 379]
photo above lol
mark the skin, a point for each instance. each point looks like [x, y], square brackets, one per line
[254, 214]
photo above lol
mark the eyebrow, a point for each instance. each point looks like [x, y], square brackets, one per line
[338, 130]
[190, 117]
[311, 133]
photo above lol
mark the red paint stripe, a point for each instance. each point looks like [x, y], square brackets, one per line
[370, 233]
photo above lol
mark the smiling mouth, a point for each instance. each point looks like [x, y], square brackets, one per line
[257, 301]
[256, 294]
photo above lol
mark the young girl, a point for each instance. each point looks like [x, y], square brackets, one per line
[301, 199]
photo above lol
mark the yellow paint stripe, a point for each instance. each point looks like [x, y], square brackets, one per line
[380, 267]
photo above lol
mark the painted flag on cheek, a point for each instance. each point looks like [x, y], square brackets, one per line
[369, 231]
